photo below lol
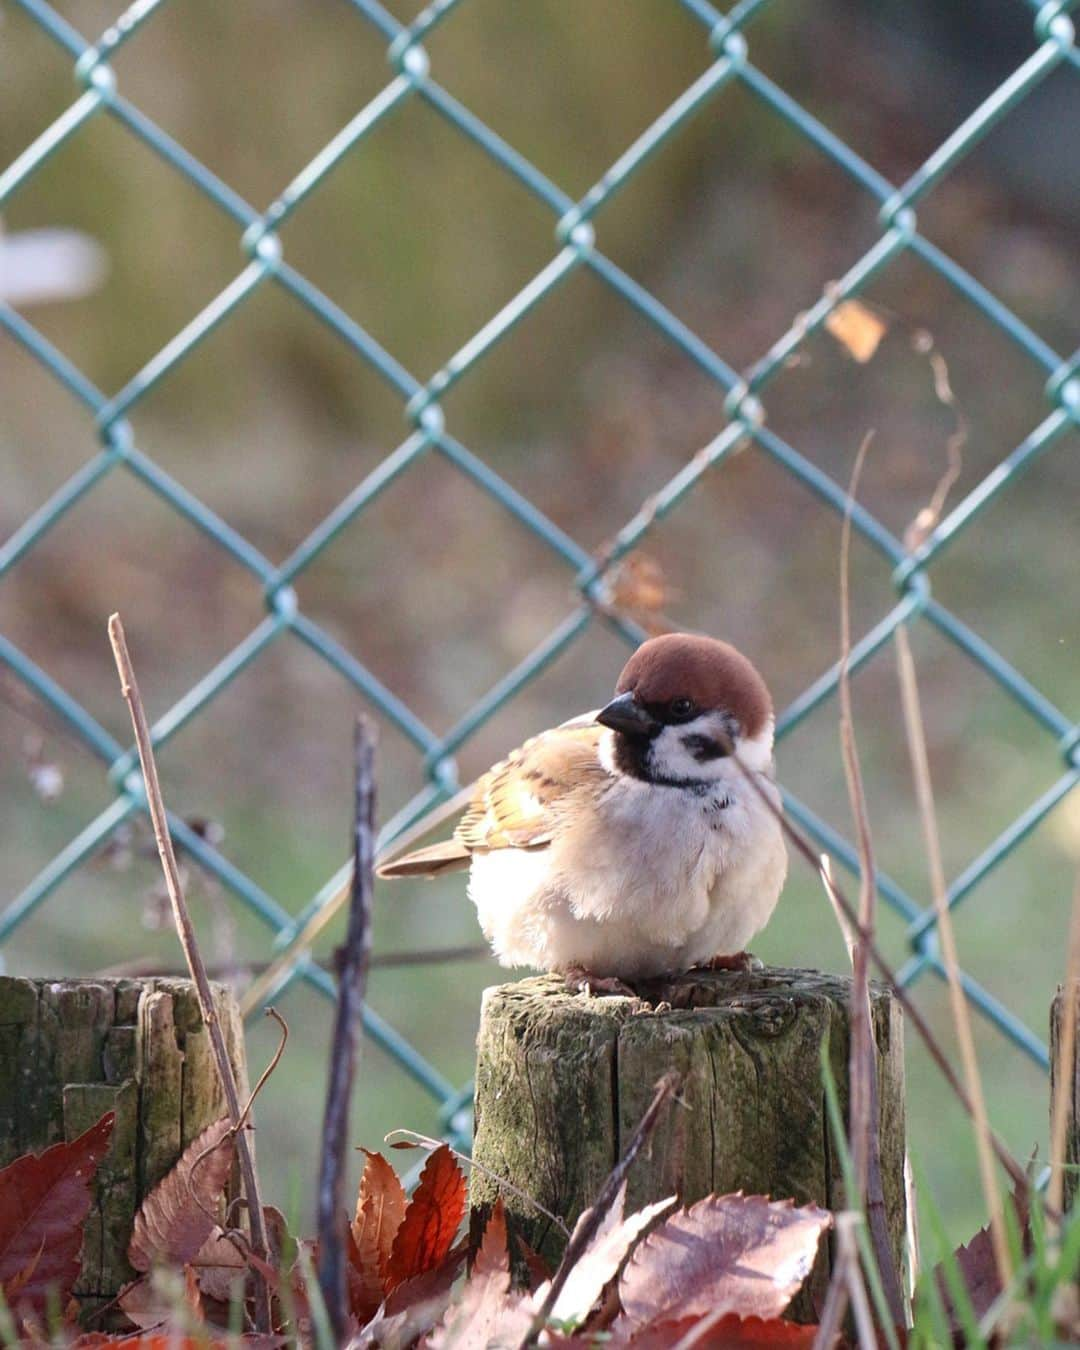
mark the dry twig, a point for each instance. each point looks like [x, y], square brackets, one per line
[186, 933]
[352, 979]
[920, 768]
[862, 1066]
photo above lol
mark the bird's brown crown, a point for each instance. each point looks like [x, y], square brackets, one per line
[713, 674]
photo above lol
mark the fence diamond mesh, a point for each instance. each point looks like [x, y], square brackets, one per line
[576, 246]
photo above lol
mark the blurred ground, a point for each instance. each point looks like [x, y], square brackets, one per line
[737, 225]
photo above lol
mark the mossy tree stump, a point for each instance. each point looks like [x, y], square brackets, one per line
[562, 1080]
[70, 1050]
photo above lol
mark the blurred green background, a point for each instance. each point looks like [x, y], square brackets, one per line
[736, 225]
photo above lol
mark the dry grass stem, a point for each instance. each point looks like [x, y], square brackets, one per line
[920, 766]
[268, 981]
[862, 1070]
[846, 929]
[836, 1304]
[860, 1303]
[1064, 1066]
[186, 932]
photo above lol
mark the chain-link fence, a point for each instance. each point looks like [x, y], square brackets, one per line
[577, 246]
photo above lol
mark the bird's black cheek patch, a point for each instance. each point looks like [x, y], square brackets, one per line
[704, 748]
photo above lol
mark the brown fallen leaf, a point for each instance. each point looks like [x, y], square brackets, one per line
[431, 1221]
[44, 1200]
[413, 1308]
[487, 1307]
[599, 1263]
[380, 1210]
[743, 1253]
[857, 328]
[176, 1217]
[218, 1267]
[978, 1266]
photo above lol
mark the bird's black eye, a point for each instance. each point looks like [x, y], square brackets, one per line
[682, 708]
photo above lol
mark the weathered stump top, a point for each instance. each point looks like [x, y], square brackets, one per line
[563, 1079]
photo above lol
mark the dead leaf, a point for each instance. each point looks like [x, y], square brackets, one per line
[538, 1268]
[744, 1253]
[219, 1267]
[857, 328]
[44, 1200]
[599, 1263]
[730, 1333]
[493, 1255]
[380, 1209]
[414, 1307]
[431, 1221]
[173, 1223]
[487, 1308]
[978, 1266]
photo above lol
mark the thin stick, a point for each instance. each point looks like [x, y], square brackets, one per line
[428, 956]
[594, 1217]
[352, 979]
[924, 793]
[186, 933]
[287, 957]
[863, 1108]
[1064, 1062]
[836, 1305]
[860, 1304]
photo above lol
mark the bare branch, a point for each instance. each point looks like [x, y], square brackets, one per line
[352, 959]
[186, 933]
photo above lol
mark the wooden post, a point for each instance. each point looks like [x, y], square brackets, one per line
[562, 1080]
[70, 1050]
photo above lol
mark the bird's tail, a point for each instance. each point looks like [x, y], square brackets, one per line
[449, 856]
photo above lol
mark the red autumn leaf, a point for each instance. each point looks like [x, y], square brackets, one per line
[44, 1200]
[176, 1217]
[730, 1333]
[743, 1253]
[431, 1221]
[380, 1209]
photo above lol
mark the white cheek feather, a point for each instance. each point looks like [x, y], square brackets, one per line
[670, 758]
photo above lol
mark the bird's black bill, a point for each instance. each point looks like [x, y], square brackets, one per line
[625, 714]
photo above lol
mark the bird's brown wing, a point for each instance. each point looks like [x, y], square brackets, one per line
[516, 802]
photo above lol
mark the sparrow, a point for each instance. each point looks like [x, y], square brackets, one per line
[628, 843]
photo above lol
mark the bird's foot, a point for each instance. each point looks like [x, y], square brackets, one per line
[744, 962]
[580, 981]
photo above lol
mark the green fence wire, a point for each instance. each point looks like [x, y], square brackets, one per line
[726, 62]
